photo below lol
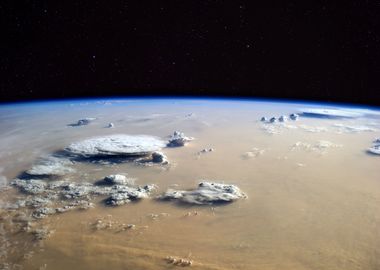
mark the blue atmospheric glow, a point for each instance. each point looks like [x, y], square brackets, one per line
[183, 99]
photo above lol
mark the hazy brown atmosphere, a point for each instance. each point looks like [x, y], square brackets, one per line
[313, 190]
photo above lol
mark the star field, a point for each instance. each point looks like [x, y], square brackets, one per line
[321, 51]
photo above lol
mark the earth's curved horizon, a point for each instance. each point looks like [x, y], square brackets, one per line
[206, 183]
[320, 102]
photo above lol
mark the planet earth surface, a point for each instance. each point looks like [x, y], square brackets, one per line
[198, 183]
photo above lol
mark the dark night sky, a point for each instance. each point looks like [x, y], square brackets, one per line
[320, 51]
